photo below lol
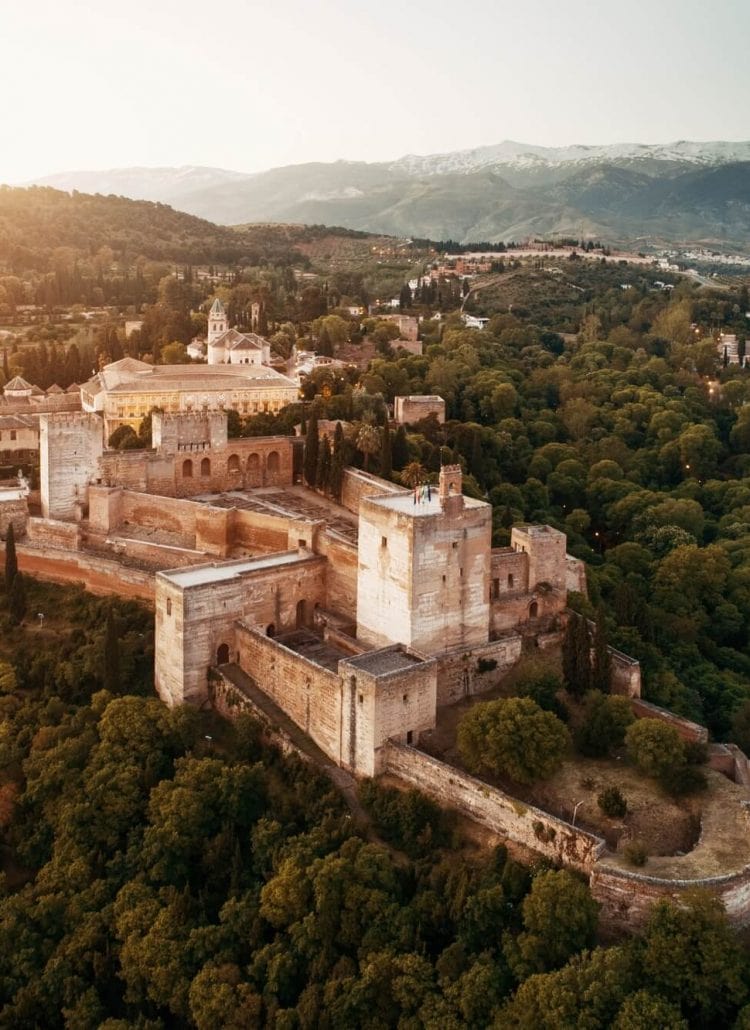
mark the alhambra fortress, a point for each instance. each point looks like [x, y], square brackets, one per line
[345, 628]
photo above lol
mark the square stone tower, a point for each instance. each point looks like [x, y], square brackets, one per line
[70, 448]
[424, 568]
[545, 548]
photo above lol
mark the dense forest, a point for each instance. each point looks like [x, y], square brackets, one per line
[631, 437]
[165, 869]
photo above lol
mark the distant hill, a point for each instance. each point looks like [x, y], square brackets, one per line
[36, 222]
[680, 192]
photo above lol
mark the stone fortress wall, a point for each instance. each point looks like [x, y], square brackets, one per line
[381, 618]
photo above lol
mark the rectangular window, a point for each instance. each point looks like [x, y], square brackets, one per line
[384, 541]
[410, 736]
[12, 434]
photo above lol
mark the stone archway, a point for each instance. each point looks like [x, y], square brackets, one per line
[222, 654]
[533, 609]
[187, 469]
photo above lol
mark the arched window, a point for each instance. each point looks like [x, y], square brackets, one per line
[254, 474]
[273, 461]
[187, 469]
[205, 467]
[222, 655]
[533, 610]
[233, 464]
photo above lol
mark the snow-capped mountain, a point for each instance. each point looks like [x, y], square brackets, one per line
[527, 155]
[682, 192]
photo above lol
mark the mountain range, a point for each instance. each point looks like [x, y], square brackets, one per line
[684, 192]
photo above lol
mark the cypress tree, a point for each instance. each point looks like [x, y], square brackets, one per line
[399, 449]
[336, 477]
[386, 456]
[111, 676]
[601, 670]
[323, 471]
[583, 657]
[311, 451]
[476, 462]
[11, 562]
[17, 599]
[576, 656]
[569, 665]
[6, 367]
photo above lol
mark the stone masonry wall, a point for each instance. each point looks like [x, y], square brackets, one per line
[15, 510]
[357, 485]
[310, 695]
[96, 574]
[687, 729]
[491, 807]
[192, 624]
[463, 672]
[627, 897]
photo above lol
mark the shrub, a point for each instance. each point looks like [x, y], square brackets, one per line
[683, 779]
[636, 852]
[542, 685]
[612, 803]
[513, 736]
[654, 747]
[606, 718]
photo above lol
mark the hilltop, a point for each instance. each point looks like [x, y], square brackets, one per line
[36, 222]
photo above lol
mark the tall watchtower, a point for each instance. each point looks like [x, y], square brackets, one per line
[217, 321]
[423, 568]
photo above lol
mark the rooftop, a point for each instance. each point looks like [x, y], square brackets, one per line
[130, 375]
[406, 504]
[385, 661]
[221, 572]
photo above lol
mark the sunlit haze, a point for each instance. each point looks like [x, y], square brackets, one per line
[250, 85]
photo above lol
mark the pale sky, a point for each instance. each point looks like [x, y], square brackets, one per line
[253, 84]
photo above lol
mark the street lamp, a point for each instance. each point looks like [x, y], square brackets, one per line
[575, 811]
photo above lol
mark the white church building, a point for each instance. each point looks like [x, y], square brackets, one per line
[231, 347]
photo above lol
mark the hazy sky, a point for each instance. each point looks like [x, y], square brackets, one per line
[250, 85]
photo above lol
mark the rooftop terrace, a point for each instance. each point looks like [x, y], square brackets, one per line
[220, 572]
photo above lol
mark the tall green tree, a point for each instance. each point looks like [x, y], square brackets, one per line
[336, 478]
[576, 655]
[323, 473]
[17, 599]
[399, 449]
[386, 454]
[601, 666]
[11, 561]
[312, 445]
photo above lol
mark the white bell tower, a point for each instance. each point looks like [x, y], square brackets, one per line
[217, 321]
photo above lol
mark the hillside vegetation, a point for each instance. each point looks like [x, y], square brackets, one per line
[163, 869]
